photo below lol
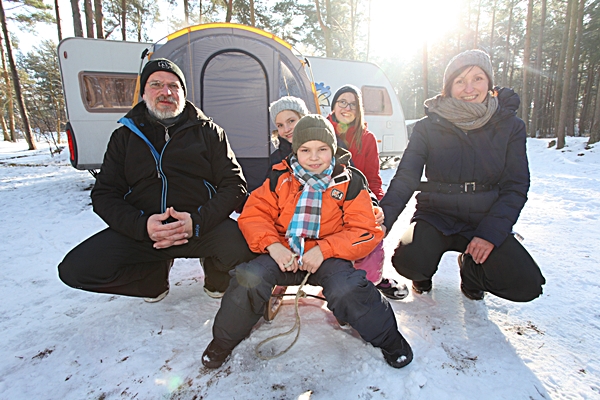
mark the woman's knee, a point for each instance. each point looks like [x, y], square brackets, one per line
[412, 263]
[70, 270]
[419, 251]
[529, 287]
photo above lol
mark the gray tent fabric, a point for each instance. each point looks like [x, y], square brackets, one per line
[233, 73]
[234, 82]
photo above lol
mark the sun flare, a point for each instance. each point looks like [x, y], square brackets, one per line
[400, 27]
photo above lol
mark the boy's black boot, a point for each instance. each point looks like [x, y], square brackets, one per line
[400, 354]
[214, 356]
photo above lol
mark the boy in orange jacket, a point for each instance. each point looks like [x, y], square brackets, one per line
[312, 214]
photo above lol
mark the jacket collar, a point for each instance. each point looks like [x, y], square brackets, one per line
[190, 111]
[508, 103]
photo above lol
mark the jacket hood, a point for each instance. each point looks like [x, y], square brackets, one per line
[508, 100]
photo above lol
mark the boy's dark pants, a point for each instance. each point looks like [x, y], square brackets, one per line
[110, 262]
[509, 272]
[349, 296]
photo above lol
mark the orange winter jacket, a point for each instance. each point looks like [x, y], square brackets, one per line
[348, 229]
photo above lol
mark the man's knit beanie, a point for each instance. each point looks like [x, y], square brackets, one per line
[477, 58]
[288, 103]
[160, 64]
[347, 89]
[314, 127]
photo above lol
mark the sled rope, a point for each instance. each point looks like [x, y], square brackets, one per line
[299, 293]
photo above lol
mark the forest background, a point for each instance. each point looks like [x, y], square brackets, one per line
[547, 50]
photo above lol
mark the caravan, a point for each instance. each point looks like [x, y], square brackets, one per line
[383, 112]
[233, 72]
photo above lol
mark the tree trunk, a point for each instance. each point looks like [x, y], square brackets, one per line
[326, 31]
[368, 30]
[476, 40]
[124, 19]
[507, 46]
[572, 99]
[525, 98]
[549, 109]
[561, 65]
[57, 14]
[229, 11]
[587, 100]
[199, 11]
[186, 12]
[537, 99]
[139, 27]
[99, 19]
[89, 18]
[562, 115]
[252, 16]
[77, 27]
[492, 32]
[511, 65]
[57, 105]
[425, 73]
[16, 82]
[9, 95]
[595, 130]
[5, 132]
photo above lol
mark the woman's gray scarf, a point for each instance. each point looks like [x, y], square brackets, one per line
[466, 116]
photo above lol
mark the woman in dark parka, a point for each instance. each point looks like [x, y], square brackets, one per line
[472, 146]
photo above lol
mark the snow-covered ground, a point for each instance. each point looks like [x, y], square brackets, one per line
[61, 343]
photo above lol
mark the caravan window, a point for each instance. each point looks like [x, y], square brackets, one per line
[107, 92]
[376, 100]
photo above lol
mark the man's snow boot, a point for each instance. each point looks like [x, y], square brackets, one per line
[157, 298]
[163, 294]
[214, 294]
[214, 356]
[422, 286]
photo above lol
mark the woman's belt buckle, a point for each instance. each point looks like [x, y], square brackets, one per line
[468, 185]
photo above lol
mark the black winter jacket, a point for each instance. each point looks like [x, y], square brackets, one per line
[281, 152]
[492, 154]
[143, 174]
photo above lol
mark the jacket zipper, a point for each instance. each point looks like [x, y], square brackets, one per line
[167, 138]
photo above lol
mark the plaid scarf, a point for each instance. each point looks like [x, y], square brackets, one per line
[306, 221]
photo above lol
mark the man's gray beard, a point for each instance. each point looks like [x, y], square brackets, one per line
[161, 115]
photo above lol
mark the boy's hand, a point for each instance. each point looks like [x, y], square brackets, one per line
[283, 256]
[312, 260]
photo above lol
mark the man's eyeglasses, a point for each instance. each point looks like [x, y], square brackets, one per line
[344, 104]
[158, 85]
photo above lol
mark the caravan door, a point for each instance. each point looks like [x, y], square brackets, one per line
[99, 79]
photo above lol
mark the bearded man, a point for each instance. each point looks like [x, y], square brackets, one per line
[166, 188]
